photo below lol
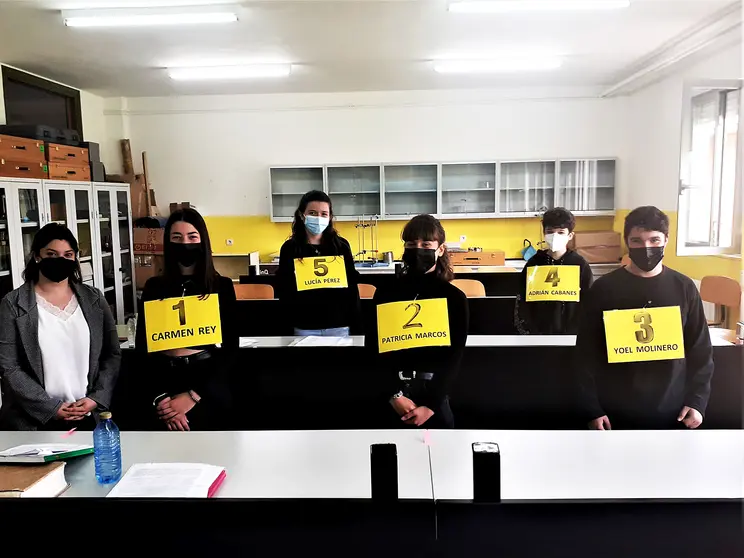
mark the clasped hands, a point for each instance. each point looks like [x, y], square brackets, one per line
[76, 410]
[409, 412]
[691, 418]
[173, 411]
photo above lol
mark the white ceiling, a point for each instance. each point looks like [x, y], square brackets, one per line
[339, 45]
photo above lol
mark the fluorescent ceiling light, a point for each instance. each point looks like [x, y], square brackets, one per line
[498, 65]
[121, 17]
[501, 6]
[202, 73]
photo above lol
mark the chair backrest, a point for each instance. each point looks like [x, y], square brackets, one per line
[254, 292]
[366, 291]
[470, 287]
[722, 291]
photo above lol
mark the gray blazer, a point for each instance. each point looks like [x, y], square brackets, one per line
[26, 405]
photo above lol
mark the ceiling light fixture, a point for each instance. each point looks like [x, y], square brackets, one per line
[203, 73]
[502, 6]
[498, 65]
[121, 17]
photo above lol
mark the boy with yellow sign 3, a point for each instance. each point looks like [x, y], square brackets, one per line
[318, 284]
[420, 330]
[184, 314]
[553, 281]
[644, 353]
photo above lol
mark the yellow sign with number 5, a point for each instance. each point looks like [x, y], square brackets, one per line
[182, 322]
[644, 334]
[413, 323]
[560, 283]
[320, 273]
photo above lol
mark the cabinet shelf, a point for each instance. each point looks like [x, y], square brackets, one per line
[108, 289]
[410, 192]
[106, 254]
[2, 226]
[444, 191]
[29, 224]
[83, 221]
[4, 273]
[353, 193]
[125, 251]
[86, 259]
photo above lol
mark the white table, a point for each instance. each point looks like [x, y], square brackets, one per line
[297, 464]
[575, 465]
[473, 341]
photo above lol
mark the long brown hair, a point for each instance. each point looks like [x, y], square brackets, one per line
[426, 227]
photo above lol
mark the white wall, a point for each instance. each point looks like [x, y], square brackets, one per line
[215, 151]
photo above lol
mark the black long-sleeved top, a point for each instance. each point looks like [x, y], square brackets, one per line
[551, 318]
[318, 308]
[443, 362]
[643, 394]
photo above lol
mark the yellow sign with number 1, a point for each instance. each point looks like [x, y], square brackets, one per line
[560, 283]
[320, 273]
[182, 322]
[644, 334]
[411, 324]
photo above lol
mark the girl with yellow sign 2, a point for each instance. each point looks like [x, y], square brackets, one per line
[317, 279]
[421, 326]
[184, 313]
[553, 281]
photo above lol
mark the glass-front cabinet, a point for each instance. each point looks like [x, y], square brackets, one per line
[288, 184]
[469, 189]
[355, 190]
[587, 185]
[527, 188]
[6, 254]
[410, 190]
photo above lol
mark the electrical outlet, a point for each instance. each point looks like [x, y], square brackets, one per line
[463, 238]
[229, 242]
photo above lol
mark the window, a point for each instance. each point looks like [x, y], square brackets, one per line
[710, 199]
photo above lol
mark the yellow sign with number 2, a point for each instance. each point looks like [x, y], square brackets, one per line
[320, 273]
[411, 324]
[644, 334]
[182, 322]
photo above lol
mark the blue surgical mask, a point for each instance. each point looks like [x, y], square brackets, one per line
[316, 225]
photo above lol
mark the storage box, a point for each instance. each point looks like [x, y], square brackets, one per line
[176, 206]
[487, 257]
[23, 169]
[148, 241]
[146, 266]
[68, 171]
[21, 149]
[97, 172]
[33, 131]
[57, 153]
[598, 246]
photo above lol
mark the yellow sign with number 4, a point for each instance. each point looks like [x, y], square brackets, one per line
[320, 273]
[644, 334]
[182, 322]
[560, 283]
[412, 324]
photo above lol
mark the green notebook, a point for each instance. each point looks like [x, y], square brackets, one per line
[43, 453]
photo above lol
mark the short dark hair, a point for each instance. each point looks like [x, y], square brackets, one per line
[647, 218]
[558, 218]
[50, 233]
[426, 227]
[205, 276]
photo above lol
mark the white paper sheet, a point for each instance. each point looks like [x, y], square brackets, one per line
[42, 449]
[246, 342]
[312, 341]
[166, 480]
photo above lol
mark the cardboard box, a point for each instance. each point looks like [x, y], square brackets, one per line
[487, 257]
[21, 149]
[598, 246]
[176, 206]
[601, 254]
[146, 266]
[148, 241]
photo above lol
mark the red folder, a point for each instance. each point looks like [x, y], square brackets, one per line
[216, 484]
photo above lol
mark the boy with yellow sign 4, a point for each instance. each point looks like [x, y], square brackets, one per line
[420, 330]
[644, 354]
[553, 281]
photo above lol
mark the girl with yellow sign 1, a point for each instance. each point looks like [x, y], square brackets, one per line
[421, 326]
[317, 279]
[184, 313]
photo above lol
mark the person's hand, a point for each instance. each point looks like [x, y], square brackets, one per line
[83, 406]
[178, 423]
[691, 418]
[65, 413]
[169, 407]
[601, 423]
[402, 405]
[417, 416]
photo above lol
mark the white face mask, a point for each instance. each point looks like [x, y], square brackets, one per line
[557, 242]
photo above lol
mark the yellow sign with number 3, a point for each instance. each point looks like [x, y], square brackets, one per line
[182, 322]
[411, 324]
[560, 283]
[320, 273]
[644, 334]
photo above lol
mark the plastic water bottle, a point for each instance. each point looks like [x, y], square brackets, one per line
[107, 450]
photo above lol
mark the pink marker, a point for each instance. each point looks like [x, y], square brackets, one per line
[69, 432]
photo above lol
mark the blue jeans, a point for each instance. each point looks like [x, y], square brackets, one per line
[330, 332]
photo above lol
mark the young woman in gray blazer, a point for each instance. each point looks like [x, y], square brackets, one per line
[59, 350]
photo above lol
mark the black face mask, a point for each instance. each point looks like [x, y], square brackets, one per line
[419, 260]
[646, 258]
[187, 254]
[57, 269]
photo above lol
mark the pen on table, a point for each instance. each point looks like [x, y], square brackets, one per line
[69, 432]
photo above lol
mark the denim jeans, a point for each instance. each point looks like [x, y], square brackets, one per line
[331, 332]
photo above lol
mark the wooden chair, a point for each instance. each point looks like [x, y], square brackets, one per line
[725, 293]
[366, 291]
[470, 287]
[254, 292]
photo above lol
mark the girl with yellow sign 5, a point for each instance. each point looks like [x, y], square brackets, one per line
[421, 326]
[317, 279]
[184, 313]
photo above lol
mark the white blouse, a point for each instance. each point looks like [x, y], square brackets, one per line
[64, 340]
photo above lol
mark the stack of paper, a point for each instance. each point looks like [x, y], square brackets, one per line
[169, 480]
[43, 453]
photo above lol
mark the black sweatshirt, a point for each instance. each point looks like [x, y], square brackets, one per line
[643, 394]
[318, 308]
[551, 318]
[443, 362]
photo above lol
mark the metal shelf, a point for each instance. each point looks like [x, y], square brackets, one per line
[4, 273]
[29, 224]
[86, 259]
